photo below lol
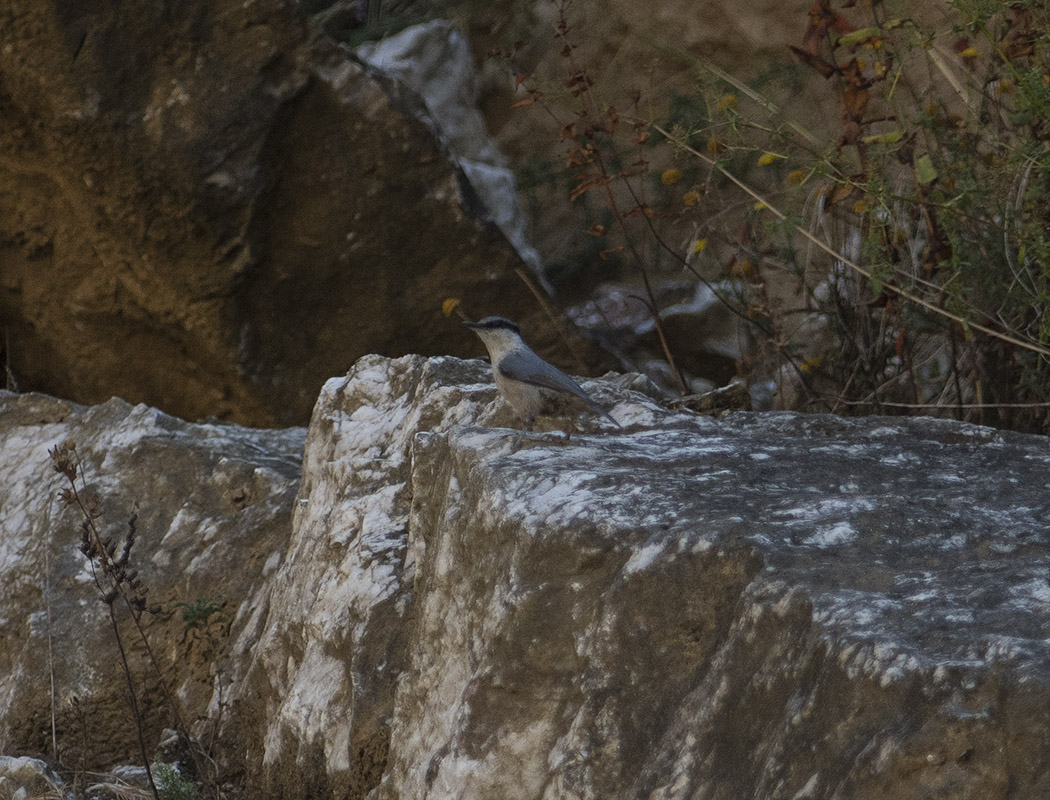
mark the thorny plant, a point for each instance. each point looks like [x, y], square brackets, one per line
[610, 151]
[938, 176]
[596, 162]
[916, 233]
[118, 584]
[111, 575]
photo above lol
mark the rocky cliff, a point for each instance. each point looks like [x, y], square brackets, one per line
[768, 606]
[213, 207]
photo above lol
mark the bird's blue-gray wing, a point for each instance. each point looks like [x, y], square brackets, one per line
[530, 368]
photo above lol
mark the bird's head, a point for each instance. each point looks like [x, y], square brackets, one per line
[499, 335]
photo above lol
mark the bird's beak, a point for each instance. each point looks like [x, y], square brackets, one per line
[472, 325]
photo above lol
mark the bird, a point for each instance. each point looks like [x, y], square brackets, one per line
[530, 385]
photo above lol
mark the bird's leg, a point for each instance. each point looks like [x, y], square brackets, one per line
[572, 428]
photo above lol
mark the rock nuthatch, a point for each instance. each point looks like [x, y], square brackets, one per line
[528, 383]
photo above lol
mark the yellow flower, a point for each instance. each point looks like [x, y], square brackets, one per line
[742, 269]
[715, 146]
[671, 176]
[691, 198]
[449, 306]
[969, 52]
[860, 206]
[767, 158]
[759, 206]
[810, 364]
[699, 245]
[726, 101]
[795, 177]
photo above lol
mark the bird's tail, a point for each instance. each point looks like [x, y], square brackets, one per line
[599, 410]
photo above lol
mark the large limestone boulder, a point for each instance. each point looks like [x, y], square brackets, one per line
[213, 505]
[434, 61]
[774, 606]
[768, 606]
[324, 673]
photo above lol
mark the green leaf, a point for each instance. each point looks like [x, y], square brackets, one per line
[884, 138]
[924, 170]
[858, 36]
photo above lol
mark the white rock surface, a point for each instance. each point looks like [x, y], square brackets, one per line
[25, 778]
[434, 61]
[213, 505]
[767, 606]
[745, 608]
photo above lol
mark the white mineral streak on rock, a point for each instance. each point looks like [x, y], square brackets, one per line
[462, 610]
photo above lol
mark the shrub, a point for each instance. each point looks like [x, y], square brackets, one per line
[890, 252]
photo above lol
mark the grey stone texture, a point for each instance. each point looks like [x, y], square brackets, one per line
[763, 605]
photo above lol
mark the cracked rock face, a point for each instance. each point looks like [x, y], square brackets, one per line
[768, 606]
[212, 209]
[213, 511]
[335, 645]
